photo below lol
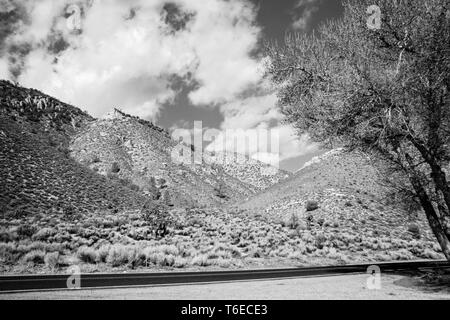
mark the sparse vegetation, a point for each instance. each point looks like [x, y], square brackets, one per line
[383, 91]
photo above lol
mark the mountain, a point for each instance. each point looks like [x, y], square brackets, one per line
[340, 192]
[247, 170]
[55, 156]
[141, 152]
[36, 170]
[73, 186]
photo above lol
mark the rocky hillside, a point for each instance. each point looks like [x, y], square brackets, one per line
[340, 192]
[247, 170]
[36, 170]
[123, 150]
[133, 149]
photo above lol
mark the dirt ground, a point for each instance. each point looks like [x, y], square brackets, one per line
[392, 286]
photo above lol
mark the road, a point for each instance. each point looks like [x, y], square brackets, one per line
[86, 281]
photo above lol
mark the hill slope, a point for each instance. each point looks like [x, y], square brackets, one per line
[141, 152]
[344, 196]
[247, 170]
[36, 172]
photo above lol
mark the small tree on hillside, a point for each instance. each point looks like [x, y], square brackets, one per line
[384, 91]
[156, 215]
[220, 190]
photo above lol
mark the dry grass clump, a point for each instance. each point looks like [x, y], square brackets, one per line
[51, 260]
[87, 255]
[34, 257]
[212, 238]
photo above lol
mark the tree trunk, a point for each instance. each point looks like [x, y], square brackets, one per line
[441, 183]
[433, 218]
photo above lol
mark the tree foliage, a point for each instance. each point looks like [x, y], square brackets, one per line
[383, 91]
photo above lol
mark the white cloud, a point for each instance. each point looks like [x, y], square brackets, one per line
[258, 116]
[112, 52]
[250, 112]
[303, 14]
[3, 67]
[128, 63]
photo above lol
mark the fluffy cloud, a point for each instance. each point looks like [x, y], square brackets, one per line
[123, 44]
[303, 14]
[252, 126]
[100, 54]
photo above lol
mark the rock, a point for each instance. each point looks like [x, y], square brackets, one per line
[311, 205]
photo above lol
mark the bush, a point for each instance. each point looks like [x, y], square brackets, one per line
[321, 222]
[7, 236]
[35, 256]
[87, 255]
[95, 159]
[414, 230]
[44, 234]
[118, 255]
[180, 262]
[320, 240]
[134, 187]
[9, 253]
[201, 260]
[102, 253]
[51, 259]
[115, 167]
[293, 221]
[69, 210]
[312, 205]
[136, 257]
[219, 190]
[26, 231]
[154, 214]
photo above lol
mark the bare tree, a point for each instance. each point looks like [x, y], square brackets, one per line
[384, 91]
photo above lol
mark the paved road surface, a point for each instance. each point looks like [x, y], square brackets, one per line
[329, 287]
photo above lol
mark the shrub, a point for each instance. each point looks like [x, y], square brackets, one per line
[9, 253]
[26, 231]
[95, 159]
[312, 205]
[169, 260]
[219, 190]
[293, 221]
[51, 259]
[134, 187]
[154, 257]
[6, 236]
[115, 167]
[154, 214]
[169, 249]
[35, 256]
[136, 257]
[320, 240]
[414, 230]
[118, 255]
[69, 210]
[321, 221]
[201, 260]
[87, 255]
[180, 262]
[102, 253]
[44, 234]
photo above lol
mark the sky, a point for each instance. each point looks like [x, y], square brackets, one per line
[172, 62]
